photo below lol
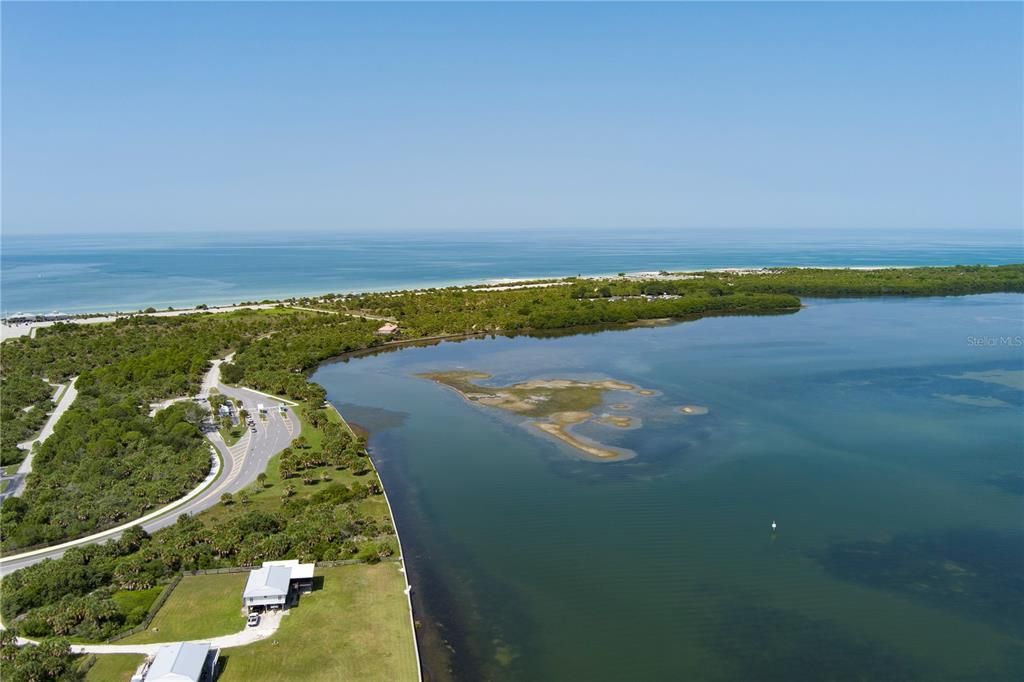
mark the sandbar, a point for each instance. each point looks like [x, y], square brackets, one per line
[554, 404]
[619, 421]
[559, 428]
[1012, 378]
[533, 398]
[973, 400]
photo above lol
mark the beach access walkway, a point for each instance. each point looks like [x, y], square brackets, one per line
[16, 487]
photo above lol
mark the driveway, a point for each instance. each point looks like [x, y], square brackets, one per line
[269, 624]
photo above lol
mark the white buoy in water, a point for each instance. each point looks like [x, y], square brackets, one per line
[774, 526]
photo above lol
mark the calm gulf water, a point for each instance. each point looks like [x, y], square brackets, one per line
[897, 484]
[131, 272]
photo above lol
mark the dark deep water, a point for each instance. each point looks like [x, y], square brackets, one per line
[884, 436]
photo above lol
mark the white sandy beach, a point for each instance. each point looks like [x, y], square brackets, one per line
[10, 331]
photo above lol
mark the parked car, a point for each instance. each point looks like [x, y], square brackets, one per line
[253, 620]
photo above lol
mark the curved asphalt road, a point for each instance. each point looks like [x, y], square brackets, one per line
[241, 464]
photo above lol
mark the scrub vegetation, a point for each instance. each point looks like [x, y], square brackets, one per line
[108, 461]
[50, 661]
[25, 401]
[579, 302]
[958, 280]
[440, 312]
[82, 594]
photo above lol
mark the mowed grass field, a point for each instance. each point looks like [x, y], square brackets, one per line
[114, 668]
[200, 606]
[355, 628]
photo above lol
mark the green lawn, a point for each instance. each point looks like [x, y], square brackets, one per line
[232, 435]
[355, 628]
[137, 601]
[200, 606]
[114, 667]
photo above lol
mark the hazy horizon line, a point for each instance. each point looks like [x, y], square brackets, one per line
[365, 232]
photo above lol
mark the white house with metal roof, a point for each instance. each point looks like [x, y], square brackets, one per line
[271, 585]
[180, 662]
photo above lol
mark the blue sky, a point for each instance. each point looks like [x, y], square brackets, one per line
[234, 117]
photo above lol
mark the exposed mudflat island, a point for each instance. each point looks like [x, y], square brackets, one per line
[555, 405]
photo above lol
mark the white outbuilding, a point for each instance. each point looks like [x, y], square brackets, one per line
[180, 662]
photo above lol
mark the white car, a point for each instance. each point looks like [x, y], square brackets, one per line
[253, 620]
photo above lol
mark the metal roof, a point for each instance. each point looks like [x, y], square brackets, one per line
[299, 571]
[179, 662]
[269, 581]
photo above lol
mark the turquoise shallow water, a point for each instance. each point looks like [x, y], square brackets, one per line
[897, 482]
[132, 272]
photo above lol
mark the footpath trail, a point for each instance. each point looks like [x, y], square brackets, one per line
[17, 485]
[349, 313]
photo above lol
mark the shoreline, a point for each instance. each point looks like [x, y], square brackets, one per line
[491, 283]
[12, 331]
[592, 451]
[398, 539]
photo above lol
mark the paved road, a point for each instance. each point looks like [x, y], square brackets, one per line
[274, 431]
[17, 484]
[242, 463]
